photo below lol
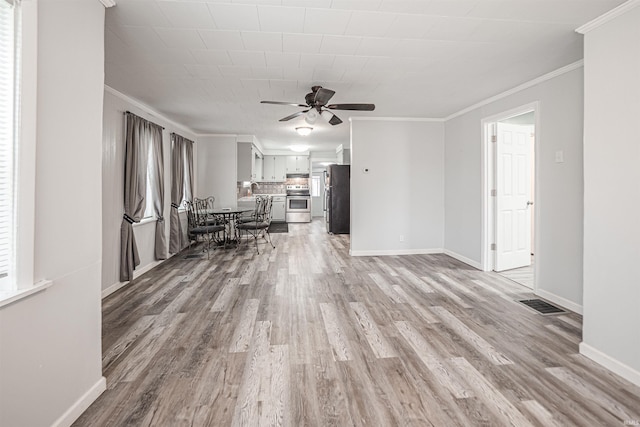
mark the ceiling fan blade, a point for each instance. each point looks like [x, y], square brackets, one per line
[335, 120]
[293, 116]
[283, 103]
[323, 96]
[359, 107]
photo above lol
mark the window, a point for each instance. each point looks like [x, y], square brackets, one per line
[149, 210]
[9, 119]
[315, 186]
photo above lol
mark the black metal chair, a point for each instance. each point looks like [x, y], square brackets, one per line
[259, 226]
[198, 226]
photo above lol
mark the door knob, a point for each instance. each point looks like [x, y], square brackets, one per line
[529, 203]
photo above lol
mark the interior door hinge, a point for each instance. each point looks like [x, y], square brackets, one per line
[494, 138]
[493, 247]
[494, 192]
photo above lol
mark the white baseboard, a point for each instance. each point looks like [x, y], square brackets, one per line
[136, 273]
[81, 405]
[615, 366]
[396, 252]
[468, 261]
[563, 302]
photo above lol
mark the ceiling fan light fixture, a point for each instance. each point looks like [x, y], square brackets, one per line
[311, 116]
[327, 115]
[304, 131]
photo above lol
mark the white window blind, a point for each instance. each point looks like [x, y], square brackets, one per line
[8, 121]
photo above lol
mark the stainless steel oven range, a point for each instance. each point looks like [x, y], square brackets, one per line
[298, 207]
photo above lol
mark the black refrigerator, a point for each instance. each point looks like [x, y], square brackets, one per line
[337, 199]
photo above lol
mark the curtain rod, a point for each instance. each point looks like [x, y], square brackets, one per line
[129, 112]
[186, 139]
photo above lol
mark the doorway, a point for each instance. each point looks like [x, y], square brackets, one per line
[317, 194]
[509, 175]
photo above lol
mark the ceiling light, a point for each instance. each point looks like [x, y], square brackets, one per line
[304, 131]
[311, 116]
[299, 148]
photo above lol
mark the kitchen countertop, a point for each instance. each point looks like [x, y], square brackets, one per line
[252, 198]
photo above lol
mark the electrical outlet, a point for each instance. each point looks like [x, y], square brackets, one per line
[401, 238]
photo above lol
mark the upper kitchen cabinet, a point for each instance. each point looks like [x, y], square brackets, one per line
[343, 156]
[297, 164]
[249, 162]
[274, 168]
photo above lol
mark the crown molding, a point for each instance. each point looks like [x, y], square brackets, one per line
[147, 109]
[612, 14]
[536, 81]
[108, 3]
[394, 119]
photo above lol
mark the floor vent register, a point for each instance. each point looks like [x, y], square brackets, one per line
[542, 307]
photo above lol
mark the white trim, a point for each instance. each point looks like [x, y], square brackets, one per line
[615, 366]
[396, 252]
[219, 134]
[107, 3]
[81, 405]
[610, 15]
[396, 119]
[563, 302]
[522, 87]
[9, 297]
[461, 258]
[146, 109]
[143, 221]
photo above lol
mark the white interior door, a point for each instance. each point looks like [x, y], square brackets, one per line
[513, 196]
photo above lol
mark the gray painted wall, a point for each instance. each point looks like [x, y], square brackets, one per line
[559, 186]
[402, 194]
[113, 187]
[50, 347]
[612, 196]
[216, 169]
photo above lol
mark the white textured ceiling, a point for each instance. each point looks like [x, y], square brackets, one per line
[208, 64]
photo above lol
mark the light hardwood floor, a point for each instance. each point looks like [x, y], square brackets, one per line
[305, 335]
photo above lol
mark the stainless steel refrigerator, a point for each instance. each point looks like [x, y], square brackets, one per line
[337, 199]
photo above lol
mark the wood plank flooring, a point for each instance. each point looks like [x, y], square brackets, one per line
[305, 335]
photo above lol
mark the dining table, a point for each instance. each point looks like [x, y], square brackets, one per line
[228, 217]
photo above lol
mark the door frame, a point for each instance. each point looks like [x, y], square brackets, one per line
[487, 256]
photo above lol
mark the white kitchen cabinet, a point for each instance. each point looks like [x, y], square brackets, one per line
[297, 164]
[268, 168]
[278, 208]
[280, 169]
[249, 162]
[274, 168]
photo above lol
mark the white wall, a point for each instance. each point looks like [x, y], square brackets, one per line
[612, 196]
[403, 192]
[115, 104]
[50, 351]
[216, 169]
[559, 186]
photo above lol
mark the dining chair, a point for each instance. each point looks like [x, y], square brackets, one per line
[259, 226]
[198, 226]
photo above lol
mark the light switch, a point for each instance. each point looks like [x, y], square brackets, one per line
[560, 156]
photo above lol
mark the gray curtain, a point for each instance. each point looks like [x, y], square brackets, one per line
[135, 189]
[178, 149]
[158, 190]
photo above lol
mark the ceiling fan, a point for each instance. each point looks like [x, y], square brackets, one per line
[316, 104]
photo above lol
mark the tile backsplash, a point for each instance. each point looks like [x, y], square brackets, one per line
[261, 188]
